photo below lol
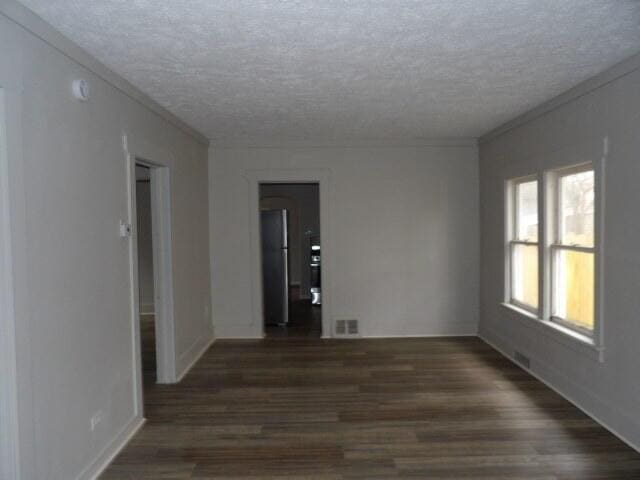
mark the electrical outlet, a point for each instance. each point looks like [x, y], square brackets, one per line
[96, 419]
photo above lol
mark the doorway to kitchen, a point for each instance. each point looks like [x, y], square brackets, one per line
[291, 259]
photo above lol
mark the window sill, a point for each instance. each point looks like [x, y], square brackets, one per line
[558, 333]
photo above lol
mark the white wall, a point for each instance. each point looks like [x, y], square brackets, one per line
[576, 129]
[403, 235]
[73, 292]
[307, 200]
[145, 246]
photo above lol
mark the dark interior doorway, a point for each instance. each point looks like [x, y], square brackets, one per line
[146, 293]
[291, 259]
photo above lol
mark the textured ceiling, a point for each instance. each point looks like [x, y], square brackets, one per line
[266, 70]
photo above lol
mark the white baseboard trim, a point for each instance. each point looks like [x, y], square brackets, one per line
[106, 456]
[563, 395]
[429, 335]
[195, 352]
[328, 337]
[261, 337]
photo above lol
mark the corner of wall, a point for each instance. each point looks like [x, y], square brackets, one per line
[106, 456]
[190, 357]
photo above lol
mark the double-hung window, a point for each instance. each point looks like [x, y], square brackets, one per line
[573, 248]
[523, 244]
[551, 253]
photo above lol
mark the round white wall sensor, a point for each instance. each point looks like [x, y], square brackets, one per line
[80, 89]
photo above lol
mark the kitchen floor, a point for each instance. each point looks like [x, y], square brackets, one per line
[305, 320]
[428, 408]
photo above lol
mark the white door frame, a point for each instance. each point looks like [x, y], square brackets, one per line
[162, 268]
[144, 154]
[295, 175]
[9, 445]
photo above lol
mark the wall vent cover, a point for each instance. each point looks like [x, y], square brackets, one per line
[347, 328]
[522, 360]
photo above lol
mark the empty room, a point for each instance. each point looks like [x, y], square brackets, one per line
[328, 240]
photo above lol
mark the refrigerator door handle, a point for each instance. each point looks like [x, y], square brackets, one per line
[285, 230]
[285, 261]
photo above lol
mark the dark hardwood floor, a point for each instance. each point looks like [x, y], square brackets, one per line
[295, 409]
[305, 320]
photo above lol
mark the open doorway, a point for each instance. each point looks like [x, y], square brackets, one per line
[153, 285]
[290, 243]
[146, 296]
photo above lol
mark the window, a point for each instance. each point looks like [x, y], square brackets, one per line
[523, 244]
[573, 249]
[552, 253]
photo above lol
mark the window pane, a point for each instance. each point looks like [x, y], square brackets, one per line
[527, 211]
[573, 290]
[524, 281]
[576, 209]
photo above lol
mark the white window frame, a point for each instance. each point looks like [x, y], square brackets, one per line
[555, 245]
[512, 240]
[560, 162]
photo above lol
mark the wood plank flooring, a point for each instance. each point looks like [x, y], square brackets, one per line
[294, 409]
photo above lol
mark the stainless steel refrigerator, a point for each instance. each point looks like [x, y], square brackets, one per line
[275, 266]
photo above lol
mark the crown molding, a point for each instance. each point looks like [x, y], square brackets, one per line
[611, 74]
[35, 25]
[363, 143]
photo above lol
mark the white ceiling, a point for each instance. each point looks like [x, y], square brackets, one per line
[267, 70]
